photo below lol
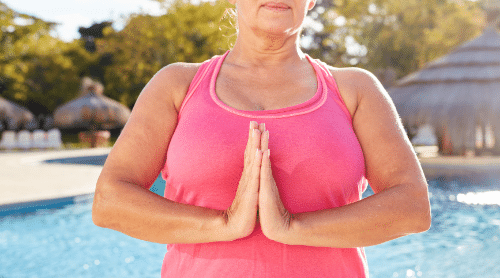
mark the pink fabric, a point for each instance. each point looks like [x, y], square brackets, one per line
[317, 163]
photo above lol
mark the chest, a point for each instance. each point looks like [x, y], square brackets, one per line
[265, 89]
[316, 158]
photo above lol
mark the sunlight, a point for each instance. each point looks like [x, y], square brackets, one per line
[480, 198]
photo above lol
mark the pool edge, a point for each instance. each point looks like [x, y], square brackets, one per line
[53, 203]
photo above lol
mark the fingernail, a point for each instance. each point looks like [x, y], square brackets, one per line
[268, 153]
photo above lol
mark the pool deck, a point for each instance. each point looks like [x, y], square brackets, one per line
[482, 167]
[24, 177]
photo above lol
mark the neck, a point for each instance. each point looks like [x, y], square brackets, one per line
[253, 49]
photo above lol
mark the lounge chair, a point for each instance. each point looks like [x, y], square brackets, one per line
[54, 139]
[40, 139]
[24, 140]
[8, 141]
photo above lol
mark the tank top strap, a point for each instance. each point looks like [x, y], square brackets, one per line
[327, 87]
[332, 86]
[203, 72]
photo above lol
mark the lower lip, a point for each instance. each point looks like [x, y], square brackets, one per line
[276, 9]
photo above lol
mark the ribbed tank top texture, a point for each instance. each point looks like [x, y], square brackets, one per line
[317, 163]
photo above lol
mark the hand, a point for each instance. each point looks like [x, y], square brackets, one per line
[241, 216]
[274, 218]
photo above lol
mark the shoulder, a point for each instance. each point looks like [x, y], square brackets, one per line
[388, 153]
[172, 82]
[357, 86]
[138, 154]
[357, 79]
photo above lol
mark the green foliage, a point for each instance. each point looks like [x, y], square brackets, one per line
[403, 35]
[185, 33]
[36, 69]
[42, 72]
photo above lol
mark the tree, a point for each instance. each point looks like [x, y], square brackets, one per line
[403, 35]
[186, 32]
[36, 69]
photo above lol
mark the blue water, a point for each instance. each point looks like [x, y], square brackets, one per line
[464, 241]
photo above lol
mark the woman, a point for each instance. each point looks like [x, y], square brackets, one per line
[280, 198]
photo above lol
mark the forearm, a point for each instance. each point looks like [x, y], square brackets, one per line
[392, 213]
[142, 214]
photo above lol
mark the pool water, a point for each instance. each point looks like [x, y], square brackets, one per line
[464, 241]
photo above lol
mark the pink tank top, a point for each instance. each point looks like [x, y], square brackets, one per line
[317, 163]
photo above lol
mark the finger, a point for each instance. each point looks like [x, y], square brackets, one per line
[248, 154]
[265, 174]
[253, 125]
[255, 140]
[266, 171]
[264, 141]
[269, 193]
[266, 194]
[262, 127]
[256, 166]
[255, 173]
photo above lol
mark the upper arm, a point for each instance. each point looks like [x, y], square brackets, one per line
[389, 156]
[140, 151]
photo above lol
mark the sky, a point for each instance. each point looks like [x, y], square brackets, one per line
[74, 13]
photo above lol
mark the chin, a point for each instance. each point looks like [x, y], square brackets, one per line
[280, 29]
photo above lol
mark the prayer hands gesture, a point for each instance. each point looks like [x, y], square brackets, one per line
[257, 192]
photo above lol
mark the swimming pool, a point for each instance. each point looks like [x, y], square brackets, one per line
[464, 241]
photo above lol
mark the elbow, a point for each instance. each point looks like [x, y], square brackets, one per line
[422, 217]
[415, 221]
[416, 212]
[97, 220]
[98, 212]
[425, 221]
[420, 209]
[420, 224]
[101, 206]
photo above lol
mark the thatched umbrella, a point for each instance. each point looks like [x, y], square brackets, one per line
[459, 95]
[15, 116]
[91, 110]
